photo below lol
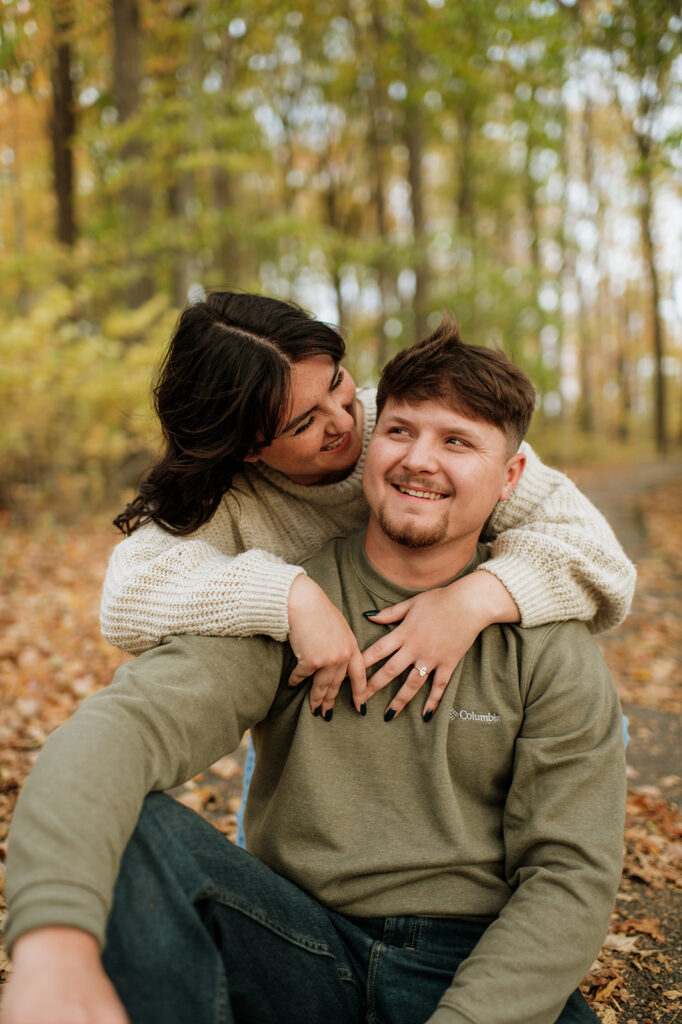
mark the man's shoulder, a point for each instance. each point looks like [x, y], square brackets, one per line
[569, 635]
[555, 657]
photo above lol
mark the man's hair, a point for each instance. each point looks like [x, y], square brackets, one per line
[476, 381]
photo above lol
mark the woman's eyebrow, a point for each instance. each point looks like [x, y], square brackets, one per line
[304, 415]
[298, 419]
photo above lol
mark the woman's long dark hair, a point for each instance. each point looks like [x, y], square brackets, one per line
[221, 393]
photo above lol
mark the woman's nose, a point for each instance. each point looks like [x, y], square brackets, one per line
[341, 416]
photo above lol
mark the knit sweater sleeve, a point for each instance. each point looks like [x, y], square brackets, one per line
[157, 585]
[556, 554]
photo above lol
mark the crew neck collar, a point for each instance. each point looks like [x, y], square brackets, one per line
[384, 588]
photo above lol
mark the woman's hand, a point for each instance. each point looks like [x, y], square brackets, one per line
[436, 630]
[324, 646]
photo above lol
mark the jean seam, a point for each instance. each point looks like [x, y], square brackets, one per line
[415, 938]
[372, 971]
[222, 1016]
[242, 907]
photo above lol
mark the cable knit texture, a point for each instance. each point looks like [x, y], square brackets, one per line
[553, 551]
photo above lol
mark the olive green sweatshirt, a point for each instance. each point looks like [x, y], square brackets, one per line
[508, 805]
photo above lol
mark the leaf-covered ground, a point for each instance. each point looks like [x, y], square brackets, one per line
[52, 657]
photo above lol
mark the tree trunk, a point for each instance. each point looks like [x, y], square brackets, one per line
[646, 221]
[379, 137]
[63, 126]
[415, 144]
[126, 87]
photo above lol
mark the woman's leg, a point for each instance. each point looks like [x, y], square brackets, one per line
[249, 765]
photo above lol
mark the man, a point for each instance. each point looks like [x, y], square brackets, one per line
[469, 883]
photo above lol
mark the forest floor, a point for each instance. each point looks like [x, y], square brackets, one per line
[52, 657]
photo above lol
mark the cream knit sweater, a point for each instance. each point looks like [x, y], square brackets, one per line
[554, 552]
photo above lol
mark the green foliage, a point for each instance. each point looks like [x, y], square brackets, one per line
[377, 161]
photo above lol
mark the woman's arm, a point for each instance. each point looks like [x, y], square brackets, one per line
[158, 585]
[556, 554]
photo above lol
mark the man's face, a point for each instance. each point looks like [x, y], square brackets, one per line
[432, 475]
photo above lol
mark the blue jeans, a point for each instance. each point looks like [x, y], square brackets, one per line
[202, 932]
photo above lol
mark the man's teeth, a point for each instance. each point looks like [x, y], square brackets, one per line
[420, 494]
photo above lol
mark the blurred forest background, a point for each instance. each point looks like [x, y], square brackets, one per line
[375, 160]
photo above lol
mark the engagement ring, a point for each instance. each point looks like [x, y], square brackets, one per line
[422, 671]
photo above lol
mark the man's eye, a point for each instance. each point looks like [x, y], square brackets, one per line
[303, 426]
[456, 442]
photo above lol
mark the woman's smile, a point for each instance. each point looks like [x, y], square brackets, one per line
[322, 439]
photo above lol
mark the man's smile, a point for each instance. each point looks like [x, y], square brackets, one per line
[414, 489]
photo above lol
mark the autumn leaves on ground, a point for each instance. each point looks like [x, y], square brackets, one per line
[52, 656]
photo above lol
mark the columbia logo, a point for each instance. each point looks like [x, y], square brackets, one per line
[473, 716]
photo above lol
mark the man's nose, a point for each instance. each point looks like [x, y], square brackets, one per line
[420, 457]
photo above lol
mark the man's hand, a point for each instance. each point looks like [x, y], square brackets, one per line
[57, 978]
[324, 645]
[437, 629]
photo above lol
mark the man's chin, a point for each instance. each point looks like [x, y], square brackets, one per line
[411, 535]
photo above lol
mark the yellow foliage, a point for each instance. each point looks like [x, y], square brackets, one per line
[76, 398]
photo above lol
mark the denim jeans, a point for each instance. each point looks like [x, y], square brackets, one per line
[202, 932]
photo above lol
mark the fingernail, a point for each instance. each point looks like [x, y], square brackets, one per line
[372, 611]
[363, 708]
[389, 715]
[328, 714]
[318, 710]
[428, 715]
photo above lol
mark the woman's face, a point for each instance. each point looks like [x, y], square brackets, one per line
[322, 438]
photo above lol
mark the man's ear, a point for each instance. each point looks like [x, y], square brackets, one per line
[513, 470]
[251, 457]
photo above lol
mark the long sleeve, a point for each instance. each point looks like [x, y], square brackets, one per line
[556, 554]
[563, 827]
[157, 585]
[166, 716]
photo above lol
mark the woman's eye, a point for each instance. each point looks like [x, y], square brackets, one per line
[303, 426]
[337, 380]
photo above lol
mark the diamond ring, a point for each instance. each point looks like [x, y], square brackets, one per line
[422, 671]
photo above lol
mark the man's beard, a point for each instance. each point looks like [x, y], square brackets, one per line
[413, 535]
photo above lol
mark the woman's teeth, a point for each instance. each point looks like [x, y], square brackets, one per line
[334, 444]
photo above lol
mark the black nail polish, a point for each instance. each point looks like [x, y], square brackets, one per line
[389, 715]
[428, 715]
[372, 611]
[328, 714]
[363, 708]
[318, 711]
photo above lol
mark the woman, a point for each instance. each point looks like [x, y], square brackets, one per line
[264, 444]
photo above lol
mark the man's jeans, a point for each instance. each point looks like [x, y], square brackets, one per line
[201, 932]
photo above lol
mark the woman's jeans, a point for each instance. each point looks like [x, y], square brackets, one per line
[201, 932]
